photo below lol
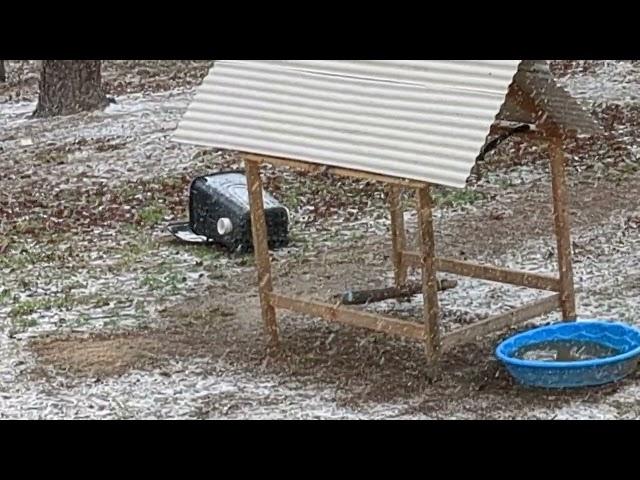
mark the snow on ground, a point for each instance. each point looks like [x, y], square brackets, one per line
[181, 388]
[115, 276]
[615, 82]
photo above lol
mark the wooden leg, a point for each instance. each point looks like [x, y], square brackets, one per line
[398, 237]
[562, 230]
[429, 281]
[261, 248]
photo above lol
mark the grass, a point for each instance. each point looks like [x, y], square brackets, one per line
[30, 306]
[172, 182]
[206, 253]
[168, 282]
[95, 301]
[26, 256]
[625, 170]
[135, 250]
[20, 315]
[457, 198]
[151, 282]
[153, 214]
[5, 295]
[24, 308]
[81, 320]
[19, 325]
[291, 198]
[505, 183]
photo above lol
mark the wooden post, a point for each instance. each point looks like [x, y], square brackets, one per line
[429, 281]
[261, 248]
[429, 333]
[562, 230]
[3, 75]
[398, 237]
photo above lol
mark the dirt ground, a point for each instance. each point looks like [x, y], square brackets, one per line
[361, 368]
[104, 315]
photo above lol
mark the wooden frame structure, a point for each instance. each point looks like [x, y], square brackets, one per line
[533, 99]
[429, 332]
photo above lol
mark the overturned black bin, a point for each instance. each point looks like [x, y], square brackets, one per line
[219, 212]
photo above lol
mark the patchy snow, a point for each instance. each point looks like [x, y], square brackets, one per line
[616, 82]
[108, 276]
[183, 389]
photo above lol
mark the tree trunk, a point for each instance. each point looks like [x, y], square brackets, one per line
[3, 74]
[70, 86]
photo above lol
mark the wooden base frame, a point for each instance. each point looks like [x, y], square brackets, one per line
[429, 331]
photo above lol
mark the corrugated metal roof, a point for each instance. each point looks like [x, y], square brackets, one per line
[416, 119]
[536, 79]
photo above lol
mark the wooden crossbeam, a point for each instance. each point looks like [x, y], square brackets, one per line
[343, 172]
[492, 274]
[427, 332]
[336, 313]
[499, 322]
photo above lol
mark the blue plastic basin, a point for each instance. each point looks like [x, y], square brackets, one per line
[623, 338]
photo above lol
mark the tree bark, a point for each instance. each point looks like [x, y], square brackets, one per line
[3, 74]
[70, 86]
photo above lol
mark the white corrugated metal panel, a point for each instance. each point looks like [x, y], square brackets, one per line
[423, 120]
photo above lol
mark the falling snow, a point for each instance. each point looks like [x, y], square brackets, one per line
[103, 315]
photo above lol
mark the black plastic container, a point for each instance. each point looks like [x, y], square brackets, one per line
[219, 211]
